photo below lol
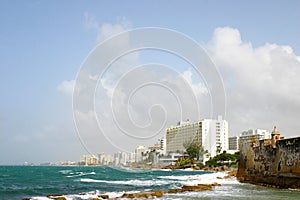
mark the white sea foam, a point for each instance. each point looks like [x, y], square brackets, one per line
[128, 182]
[187, 169]
[92, 195]
[67, 171]
[81, 174]
[128, 169]
[208, 178]
[165, 180]
[217, 177]
[40, 198]
[165, 170]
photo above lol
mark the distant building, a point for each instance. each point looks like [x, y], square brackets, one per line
[139, 152]
[163, 146]
[89, 160]
[233, 143]
[169, 159]
[131, 157]
[105, 159]
[117, 158]
[257, 134]
[211, 134]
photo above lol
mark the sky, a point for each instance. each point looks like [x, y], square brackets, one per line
[45, 45]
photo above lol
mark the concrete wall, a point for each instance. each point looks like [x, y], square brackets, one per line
[260, 163]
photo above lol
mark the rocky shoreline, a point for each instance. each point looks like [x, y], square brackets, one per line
[144, 194]
[196, 167]
[151, 193]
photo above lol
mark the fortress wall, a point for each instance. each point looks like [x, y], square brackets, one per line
[261, 163]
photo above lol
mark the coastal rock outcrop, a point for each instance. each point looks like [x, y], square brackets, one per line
[145, 194]
[160, 193]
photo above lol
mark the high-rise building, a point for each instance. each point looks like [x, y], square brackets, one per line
[131, 157]
[211, 134]
[139, 151]
[163, 146]
[105, 159]
[89, 160]
[233, 143]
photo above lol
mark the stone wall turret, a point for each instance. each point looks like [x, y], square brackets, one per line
[275, 136]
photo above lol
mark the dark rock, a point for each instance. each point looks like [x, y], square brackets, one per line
[174, 190]
[158, 193]
[104, 196]
[216, 184]
[224, 168]
[196, 188]
[231, 173]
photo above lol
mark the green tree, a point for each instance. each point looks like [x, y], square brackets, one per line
[222, 158]
[193, 149]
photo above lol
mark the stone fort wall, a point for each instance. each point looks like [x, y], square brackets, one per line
[273, 162]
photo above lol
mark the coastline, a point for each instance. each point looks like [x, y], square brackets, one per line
[117, 182]
[147, 194]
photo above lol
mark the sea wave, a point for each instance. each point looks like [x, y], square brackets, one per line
[168, 180]
[128, 182]
[129, 169]
[217, 177]
[77, 174]
[66, 171]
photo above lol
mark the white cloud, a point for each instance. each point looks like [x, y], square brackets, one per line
[90, 21]
[106, 30]
[262, 83]
[198, 88]
[66, 87]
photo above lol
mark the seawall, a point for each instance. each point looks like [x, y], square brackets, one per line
[266, 163]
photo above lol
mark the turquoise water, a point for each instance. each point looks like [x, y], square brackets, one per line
[17, 182]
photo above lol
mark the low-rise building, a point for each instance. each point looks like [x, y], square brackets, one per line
[254, 134]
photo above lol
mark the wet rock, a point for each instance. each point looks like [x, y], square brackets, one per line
[216, 184]
[196, 168]
[232, 173]
[196, 188]
[139, 195]
[224, 168]
[174, 190]
[104, 196]
[206, 168]
[158, 193]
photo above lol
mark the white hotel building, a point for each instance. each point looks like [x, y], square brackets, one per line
[212, 134]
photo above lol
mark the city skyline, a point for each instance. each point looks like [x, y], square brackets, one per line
[254, 45]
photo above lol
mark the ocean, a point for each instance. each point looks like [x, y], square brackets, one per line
[83, 182]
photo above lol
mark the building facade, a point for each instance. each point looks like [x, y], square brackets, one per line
[139, 151]
[89, 160]
[251, 134]
[163, 146]
[211, 134]
[233, 143]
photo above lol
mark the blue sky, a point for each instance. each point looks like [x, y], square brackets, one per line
[43, 43]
